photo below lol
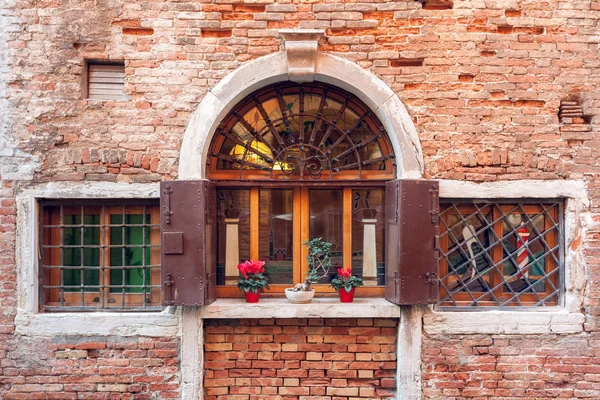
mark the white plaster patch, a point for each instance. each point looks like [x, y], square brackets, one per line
[318, 308]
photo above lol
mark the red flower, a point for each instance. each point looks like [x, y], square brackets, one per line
[249, 268]
[344, 273]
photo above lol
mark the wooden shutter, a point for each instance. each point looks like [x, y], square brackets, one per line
[411, 232]
[106, 81]
[188, 229]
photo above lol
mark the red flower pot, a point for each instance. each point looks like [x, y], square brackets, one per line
[346, 297]
[252, 297]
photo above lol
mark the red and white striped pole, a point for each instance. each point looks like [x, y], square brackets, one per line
[522, 252]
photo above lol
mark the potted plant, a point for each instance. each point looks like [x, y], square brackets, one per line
[345, 284]
[319, 262]
[252, 281]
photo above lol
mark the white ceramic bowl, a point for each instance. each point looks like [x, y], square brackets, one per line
[299, 297]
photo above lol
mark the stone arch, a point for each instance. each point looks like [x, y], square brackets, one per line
[274, 68]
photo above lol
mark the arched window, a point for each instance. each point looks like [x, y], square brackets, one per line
[293, 162]
[301, 132]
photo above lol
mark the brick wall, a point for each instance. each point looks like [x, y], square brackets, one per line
[483, 82]
[268, 359]
[65, 368]
[511, 366]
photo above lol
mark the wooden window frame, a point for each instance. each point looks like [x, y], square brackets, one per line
[107, 300]
[552, 235]
[301, 226]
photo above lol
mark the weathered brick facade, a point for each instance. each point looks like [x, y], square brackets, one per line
[91, 368]
[482, 80]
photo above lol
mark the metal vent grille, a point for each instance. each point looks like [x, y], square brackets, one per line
[500, 254]
[106, 81]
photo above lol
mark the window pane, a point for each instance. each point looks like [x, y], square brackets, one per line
[233, 233]
[276, 234]
[76, 255]
[133, 238]
[468, 256]
[499, 254]
[81, 245]
[327, 222]
[368, 259]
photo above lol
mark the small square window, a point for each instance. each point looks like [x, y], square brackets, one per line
[100, 256]
[106, 81]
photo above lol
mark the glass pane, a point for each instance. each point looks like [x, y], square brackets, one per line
[368, 259]
[468, 257]
[233, 232]
[133, 239]
[276, 227]
[82, 249]
[524, 252]
[327, 222]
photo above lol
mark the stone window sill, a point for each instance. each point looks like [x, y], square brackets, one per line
[318, 308]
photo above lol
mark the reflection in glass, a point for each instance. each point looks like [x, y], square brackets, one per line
[276, 234]
[469, 261]
[327, 222]
[233, 216]
[524, 252]
[367, 236]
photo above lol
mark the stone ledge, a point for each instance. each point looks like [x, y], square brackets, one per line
[159, 324]
[318, 308]
[502, 322]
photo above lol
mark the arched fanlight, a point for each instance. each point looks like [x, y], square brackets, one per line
[301, 132]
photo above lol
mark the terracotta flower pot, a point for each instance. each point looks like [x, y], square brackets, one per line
[252, 297]
[346, 297]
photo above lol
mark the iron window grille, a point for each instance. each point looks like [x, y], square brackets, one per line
[98, 255]
[496, 253]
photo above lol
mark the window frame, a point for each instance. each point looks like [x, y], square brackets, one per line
[497, 246]
[301, 219]
[108, 205]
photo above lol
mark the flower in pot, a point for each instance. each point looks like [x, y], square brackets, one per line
[252, 281]
[345, 284]
[319, 262]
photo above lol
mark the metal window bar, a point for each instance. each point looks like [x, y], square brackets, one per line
[456, 287]
[75, 296]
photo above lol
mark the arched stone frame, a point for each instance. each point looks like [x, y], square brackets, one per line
[386, 105]
[273, 68]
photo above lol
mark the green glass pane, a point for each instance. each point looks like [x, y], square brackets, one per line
[72, 256]
[129, 256]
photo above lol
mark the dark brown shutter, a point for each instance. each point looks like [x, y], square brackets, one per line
[411, 214]
[188, 237]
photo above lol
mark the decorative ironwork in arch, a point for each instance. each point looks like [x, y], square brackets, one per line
[290, 131]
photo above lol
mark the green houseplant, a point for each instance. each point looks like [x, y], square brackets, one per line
[252, 281]
[345, 284]
[319, 263]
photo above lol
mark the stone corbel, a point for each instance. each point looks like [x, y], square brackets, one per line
[301, 46]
